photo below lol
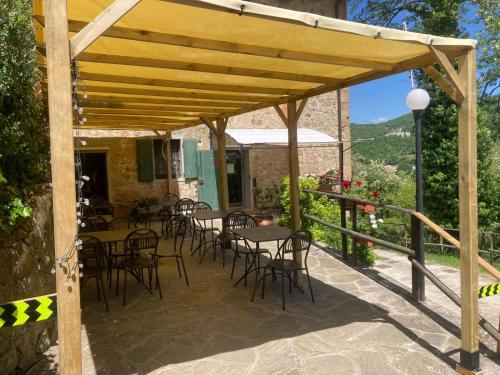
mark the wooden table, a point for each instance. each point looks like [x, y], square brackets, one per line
[257, 235]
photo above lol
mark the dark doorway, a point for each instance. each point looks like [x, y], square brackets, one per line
[234, 177]
[94, 166]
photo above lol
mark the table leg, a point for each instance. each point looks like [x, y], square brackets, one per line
[252, 265]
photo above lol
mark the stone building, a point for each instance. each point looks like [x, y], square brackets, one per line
[250, 166]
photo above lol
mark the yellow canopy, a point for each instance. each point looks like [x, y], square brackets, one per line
[166, 64]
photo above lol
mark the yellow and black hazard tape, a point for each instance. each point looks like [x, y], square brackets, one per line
[489, 290]
[21, 312]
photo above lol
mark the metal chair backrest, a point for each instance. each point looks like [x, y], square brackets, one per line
[91, 249]
[141, 215]
[99, 222]
[96, 199]
[103, 208]
[184, 206]
[123, 222]
[87, 226]
[141, 241]
[201, 207]
[295, 243]
[183, 225]
[239, 219]
[88, 211]
[169, 197]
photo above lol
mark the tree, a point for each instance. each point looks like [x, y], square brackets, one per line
[23, 128]
[440, 134]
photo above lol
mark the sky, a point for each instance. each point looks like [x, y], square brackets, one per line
[384, 99]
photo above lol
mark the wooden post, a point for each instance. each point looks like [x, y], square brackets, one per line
[221, 157]
[467, 175]
[354, 226]
[168, 159]
[293, 164]
[63, 183]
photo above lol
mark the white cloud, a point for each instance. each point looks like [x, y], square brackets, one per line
[378, 120]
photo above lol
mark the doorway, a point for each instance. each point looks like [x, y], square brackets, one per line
[95, 167]
[234, 177]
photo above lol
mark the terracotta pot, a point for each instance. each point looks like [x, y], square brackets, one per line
[367, 208]
[326, 188]
[264, 220]
[367, 243]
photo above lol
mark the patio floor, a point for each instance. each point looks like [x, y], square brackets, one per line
[356, 326]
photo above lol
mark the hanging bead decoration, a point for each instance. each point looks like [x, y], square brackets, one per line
[72, 269]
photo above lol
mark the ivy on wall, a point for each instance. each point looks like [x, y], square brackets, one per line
[24, 146]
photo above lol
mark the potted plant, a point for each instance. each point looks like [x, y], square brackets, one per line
[329, 180]
[360, 190]
[265, 200]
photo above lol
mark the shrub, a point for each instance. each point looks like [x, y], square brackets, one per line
[322, 208]
[23, 128]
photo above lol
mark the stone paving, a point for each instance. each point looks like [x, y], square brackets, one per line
[356, 326]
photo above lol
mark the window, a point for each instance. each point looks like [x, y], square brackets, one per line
[160, 165]
[151, 165]
[175, 156]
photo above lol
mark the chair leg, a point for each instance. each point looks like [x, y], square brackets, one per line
[184, 269]
[246, 269]
[125, 287]
[283, 289]
[264, 283]
[234, 263]
[310, 286]
[178, 267]
[103, 291]
[150, 277]
[158, 279]
[256, 287]
[117, 279]
[98, 291]
[290, 282]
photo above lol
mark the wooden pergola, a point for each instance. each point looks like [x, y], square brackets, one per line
[166, 65]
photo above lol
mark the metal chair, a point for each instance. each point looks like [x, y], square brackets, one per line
[200, 229]
[91, 255]
[99, 222]
[103, 208]
[141, 215]
[140, 248]
[88, 211]
[123, 222]
[87, 226]
[183, 207]
[176, 251]
[295, 244]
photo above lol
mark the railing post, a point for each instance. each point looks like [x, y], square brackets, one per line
[343, 224]
[417, 277]
[354, 223]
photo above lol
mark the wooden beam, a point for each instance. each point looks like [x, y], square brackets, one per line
[187, 84]
[119, 111]
[113, 13]
[281, 114]
[225, 46]
[443, 83]
[149, 118]
[302, 105]
[63, 185]
[221, 158]
[207, 95]
[200, 67]
[132, 126]
[155, 100]
[210, 125]
[118, 105]
[467, 176]
[454, 79]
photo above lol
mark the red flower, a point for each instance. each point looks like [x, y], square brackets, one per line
[358, 183]
[376, 194]
[346, 184]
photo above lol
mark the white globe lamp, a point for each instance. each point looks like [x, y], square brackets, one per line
[417, 99]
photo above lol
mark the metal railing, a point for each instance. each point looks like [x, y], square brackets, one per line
[418, 268]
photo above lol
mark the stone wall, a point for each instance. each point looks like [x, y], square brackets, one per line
[26, 259]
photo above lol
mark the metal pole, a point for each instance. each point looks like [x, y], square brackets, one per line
[343, 218]
[419, 240]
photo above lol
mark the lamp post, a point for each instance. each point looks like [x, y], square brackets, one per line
[417, 100]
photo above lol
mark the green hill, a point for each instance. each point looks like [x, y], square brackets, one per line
[392, 142]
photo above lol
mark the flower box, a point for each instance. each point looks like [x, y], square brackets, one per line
[366, 208]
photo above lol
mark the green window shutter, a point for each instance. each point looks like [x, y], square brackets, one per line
[190, 148]
[144, 150]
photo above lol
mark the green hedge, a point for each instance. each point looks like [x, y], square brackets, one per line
[23, 127]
